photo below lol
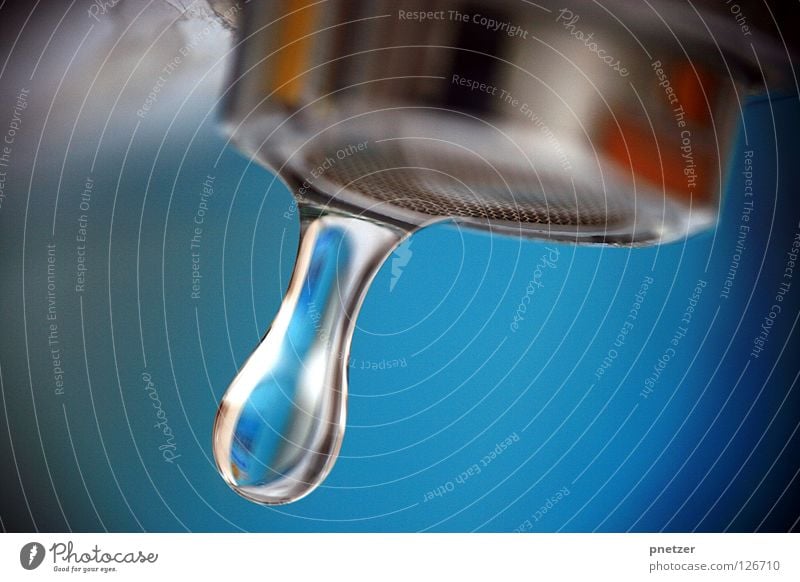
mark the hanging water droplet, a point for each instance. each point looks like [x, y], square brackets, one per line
[281, 422]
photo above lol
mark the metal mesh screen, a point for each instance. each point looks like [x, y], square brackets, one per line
[439, 183]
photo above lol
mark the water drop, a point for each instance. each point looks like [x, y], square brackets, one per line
[281, 422]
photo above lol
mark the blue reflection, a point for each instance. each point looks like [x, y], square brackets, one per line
[271, 407]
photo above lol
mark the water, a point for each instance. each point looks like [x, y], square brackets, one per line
[280, 424]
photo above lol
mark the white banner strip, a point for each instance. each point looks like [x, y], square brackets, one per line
[382, 557]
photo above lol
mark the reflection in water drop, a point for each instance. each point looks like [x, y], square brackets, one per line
[281, 422]
[268, 412]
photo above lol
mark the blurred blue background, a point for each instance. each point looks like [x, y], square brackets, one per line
[438, 377]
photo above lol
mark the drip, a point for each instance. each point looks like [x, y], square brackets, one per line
[280, 424]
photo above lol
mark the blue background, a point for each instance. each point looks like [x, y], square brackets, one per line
[713, 448]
